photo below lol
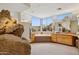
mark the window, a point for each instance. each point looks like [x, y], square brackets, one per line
[35, 24]
[62, 16]
[35, 21]
[47, 24]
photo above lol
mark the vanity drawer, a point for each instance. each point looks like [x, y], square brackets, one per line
[68, 41]
[54, 38]
[65, 39]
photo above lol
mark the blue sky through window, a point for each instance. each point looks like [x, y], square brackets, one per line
[48, 20]
[35, 21]
[61, 16]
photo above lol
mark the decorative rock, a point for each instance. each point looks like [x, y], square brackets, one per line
[13, 45]
[11, 42]
[8, 25]
[19, 29]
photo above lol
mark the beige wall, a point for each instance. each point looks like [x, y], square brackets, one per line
[26, 32]
[14, 15]
[74, 27]
[26, 24]
[66, 24]
[71, 25]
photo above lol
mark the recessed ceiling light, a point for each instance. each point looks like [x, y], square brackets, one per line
[59, 8]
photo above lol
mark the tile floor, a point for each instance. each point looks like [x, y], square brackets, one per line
[52, 49]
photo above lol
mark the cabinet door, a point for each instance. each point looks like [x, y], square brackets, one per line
[68, 40]
[54, 38]
[33, 38]
[59, 38]
[64, 39]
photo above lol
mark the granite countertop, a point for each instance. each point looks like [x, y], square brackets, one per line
[62, 33]
[71, 34]
[42, 34]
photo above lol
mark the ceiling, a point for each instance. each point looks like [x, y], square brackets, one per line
[14, 7]
[41, 10]
[51, 9]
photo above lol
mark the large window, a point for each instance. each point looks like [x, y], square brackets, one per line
[43, 24]
[35, 21]
[35, 24]
[47, 24]
[62, 16]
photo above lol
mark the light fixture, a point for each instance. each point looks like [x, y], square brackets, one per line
[59, 8]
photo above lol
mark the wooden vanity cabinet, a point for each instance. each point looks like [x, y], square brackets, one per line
[33, 38]
[53, 38]
[64, 39]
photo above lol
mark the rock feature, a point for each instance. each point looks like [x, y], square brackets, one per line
[11, 42]
[13, 45]
[9, 25]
